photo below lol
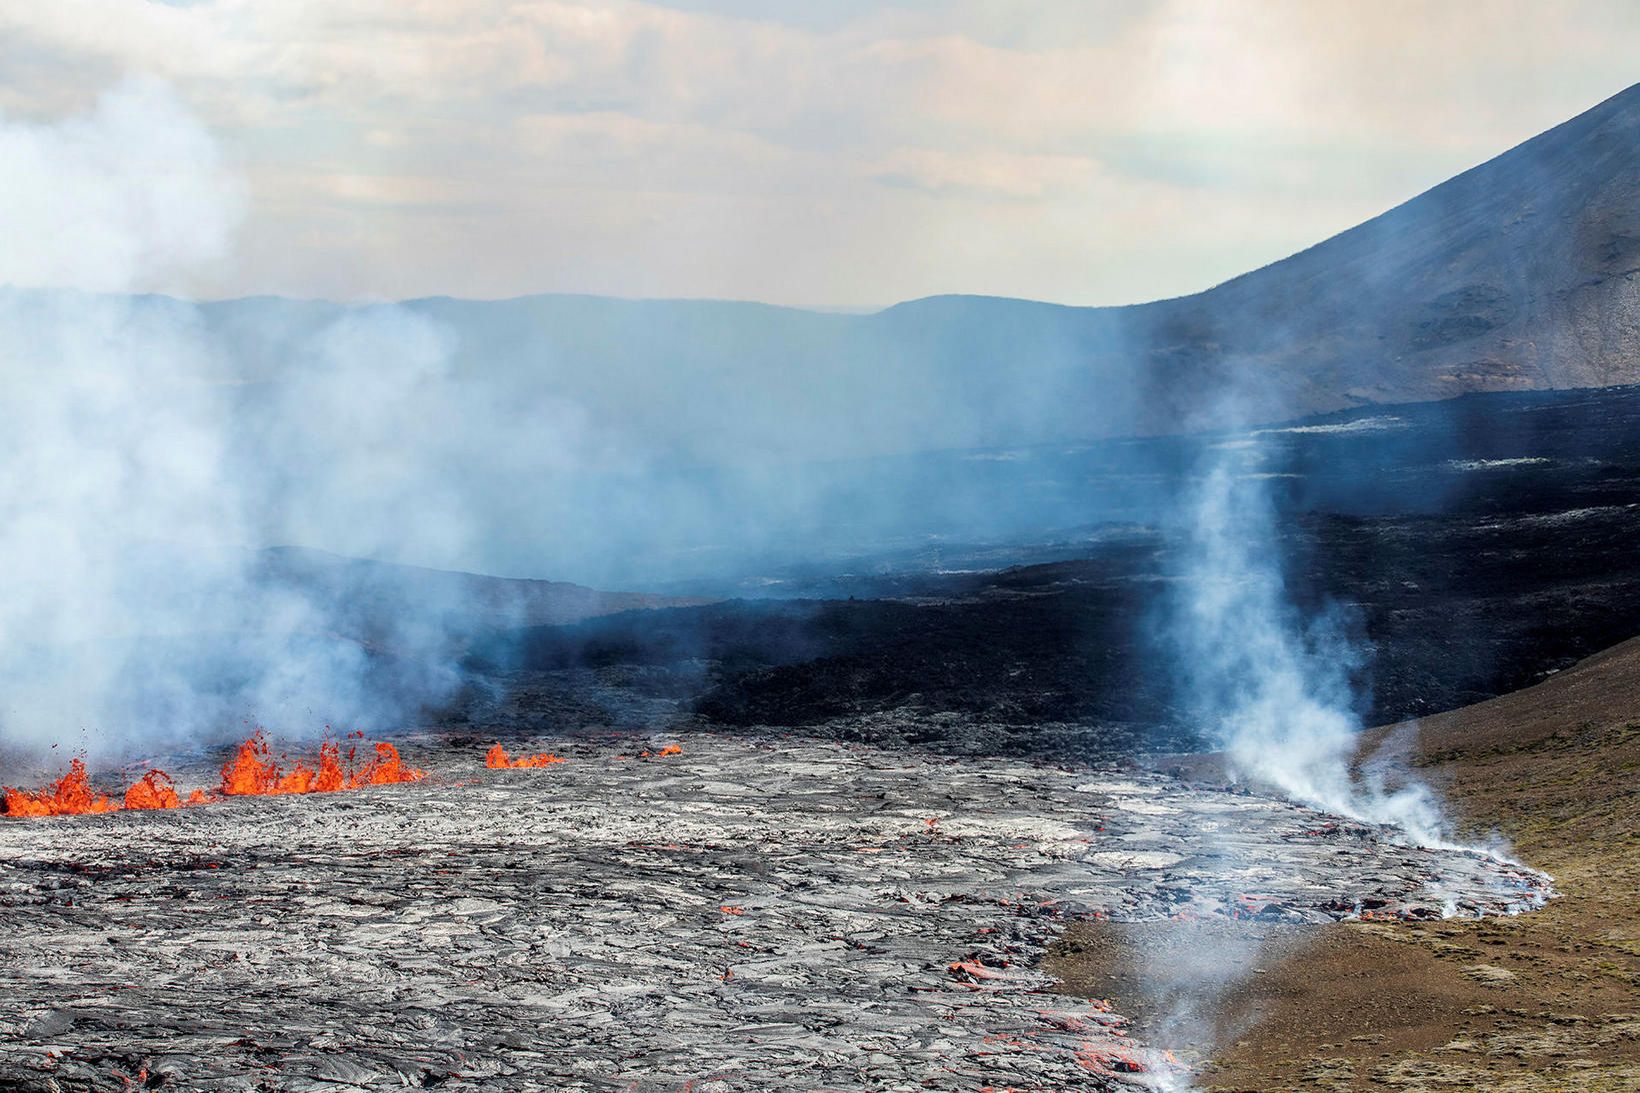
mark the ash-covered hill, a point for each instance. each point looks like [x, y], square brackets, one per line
[1522, 273]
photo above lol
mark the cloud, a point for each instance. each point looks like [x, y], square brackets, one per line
[602, 146]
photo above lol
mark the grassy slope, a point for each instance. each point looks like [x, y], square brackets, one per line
[1547, 1001]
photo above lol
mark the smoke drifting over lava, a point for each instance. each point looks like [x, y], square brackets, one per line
[1277, 690]
[148, 470]
[143, 475]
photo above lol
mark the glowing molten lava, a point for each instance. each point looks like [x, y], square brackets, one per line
[152, 790]
[670, 749]
[251, 772]
[497, 759]
[385, 770]
[71, 796]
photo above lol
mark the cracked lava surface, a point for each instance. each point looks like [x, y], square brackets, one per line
[747, 914]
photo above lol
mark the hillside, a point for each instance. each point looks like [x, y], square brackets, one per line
[1518, 274]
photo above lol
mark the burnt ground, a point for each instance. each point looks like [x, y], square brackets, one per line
[1475, 546]
[1543, 1002]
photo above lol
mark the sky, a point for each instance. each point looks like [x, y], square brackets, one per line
[827, 153]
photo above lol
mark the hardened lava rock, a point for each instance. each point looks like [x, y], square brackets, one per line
[749, 914]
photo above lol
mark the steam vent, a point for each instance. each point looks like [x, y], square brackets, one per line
[706, 546]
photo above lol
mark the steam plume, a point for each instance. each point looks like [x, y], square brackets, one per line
[1277, 689]
[134, 487]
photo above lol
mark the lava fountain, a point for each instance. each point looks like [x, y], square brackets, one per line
[498, 759]
[253, 771]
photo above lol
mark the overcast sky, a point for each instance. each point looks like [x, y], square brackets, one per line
[816, 152]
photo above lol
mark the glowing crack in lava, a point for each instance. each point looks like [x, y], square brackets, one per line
[251, 772]
[670, 749]
[498, 759]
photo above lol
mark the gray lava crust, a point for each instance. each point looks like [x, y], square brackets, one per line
[751, 914]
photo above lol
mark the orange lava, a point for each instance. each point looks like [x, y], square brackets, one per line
[152, 790]
[385, 770]
[1108, 1061]
[497, 759]
[330, 776]
[71, 796]
[251, 772]
[670, 749]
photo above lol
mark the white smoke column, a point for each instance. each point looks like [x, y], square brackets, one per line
[1275, 690]
[110, 441]
[131, 195]
[1274, 687]
[140, 475]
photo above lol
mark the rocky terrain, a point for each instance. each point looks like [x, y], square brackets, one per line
[738, 915]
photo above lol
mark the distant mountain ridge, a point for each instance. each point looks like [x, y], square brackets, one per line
[1521, 273]
[631, 442]
[365, 596]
